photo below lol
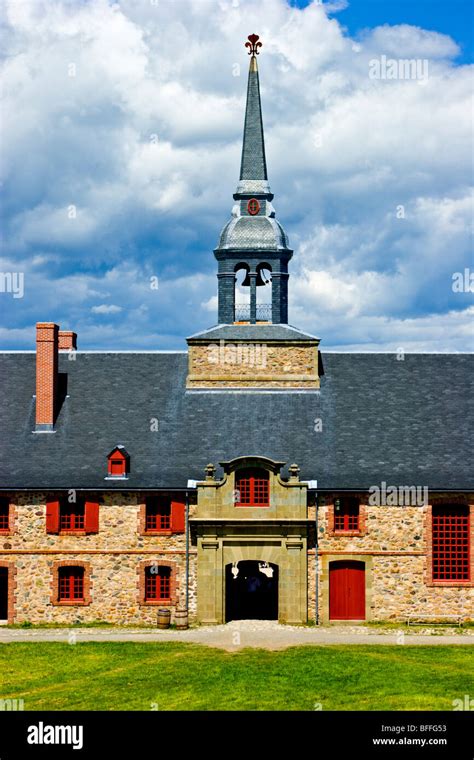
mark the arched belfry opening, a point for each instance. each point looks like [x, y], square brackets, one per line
[253, 294]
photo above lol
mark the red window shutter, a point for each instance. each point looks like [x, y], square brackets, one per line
[92, 517]
[52, 517]
[178, 519]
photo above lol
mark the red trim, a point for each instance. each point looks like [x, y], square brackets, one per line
[178, 516]
[253, 206]
[157, 583]
[346, 518]
[91, 520]
[4, 515]
[252, 488]
[450, 543]
[52, 517]
[142, 574]
[71, 584]
[65, 568]
[158, 515]
[71, 518]
[452, 502]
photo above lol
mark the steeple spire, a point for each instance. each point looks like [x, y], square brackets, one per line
[253, 240]
[253, 165]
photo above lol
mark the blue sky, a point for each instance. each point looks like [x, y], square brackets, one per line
[455, 18]
[121, 148]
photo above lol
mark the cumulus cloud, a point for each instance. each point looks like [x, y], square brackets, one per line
[121, 141]
[104, 308]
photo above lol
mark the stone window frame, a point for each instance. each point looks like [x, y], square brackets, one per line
[362, 531]
[12, 585]
[55, 601]
[437, 502]
[11, 516]
[174, 583]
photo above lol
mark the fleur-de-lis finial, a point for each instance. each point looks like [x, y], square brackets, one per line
[253, 44]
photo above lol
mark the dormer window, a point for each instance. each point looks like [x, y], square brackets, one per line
[252, 488]
[117, 467]
[118, 463]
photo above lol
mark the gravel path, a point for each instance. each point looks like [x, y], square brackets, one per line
[266, 634]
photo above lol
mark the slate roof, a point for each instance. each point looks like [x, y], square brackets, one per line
[403, 422]
[253, 165]
[253, 233]
[252, 332]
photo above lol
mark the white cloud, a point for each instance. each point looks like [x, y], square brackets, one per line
[144, 140]
[104, 308]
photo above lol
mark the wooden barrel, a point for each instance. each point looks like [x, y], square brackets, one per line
[163, 619]
[181, 619]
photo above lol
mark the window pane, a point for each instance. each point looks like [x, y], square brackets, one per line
[450, 539]
[71, 583]
[253, 488]
[157, 583]
[158, 514]
[4, 513]
[347, 516]
[72, 517]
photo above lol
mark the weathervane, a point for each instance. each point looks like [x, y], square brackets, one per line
[253, 44]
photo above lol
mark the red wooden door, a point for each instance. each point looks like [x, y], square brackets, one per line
[347, 590]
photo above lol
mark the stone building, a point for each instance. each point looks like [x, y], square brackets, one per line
[250, 477]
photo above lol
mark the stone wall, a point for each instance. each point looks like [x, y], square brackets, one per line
[113, 555]
[394, 547]
[399, 577]
[269, 365]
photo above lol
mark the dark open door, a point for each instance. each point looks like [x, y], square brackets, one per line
[252, 594]
[3, 593]
[347, 590]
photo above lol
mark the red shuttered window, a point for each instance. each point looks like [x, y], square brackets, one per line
[158, 515]
[71, 584]
[163, 515]
[450, 543]
[77, 517]
[157, 583]
[72, 517]
[4, 514]
[252, 488]
[346, 515]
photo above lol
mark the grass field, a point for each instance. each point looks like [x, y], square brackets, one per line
[175, 676]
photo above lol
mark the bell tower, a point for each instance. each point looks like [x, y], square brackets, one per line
[253, 347]
[253, 241]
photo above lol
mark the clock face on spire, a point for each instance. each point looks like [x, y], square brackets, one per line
[253, 206]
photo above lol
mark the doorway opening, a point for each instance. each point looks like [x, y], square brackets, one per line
[3, 593]
[251, 591]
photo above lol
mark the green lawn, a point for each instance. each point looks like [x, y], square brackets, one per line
[175, 676]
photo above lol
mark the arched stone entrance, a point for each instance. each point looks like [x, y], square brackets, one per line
[251, 591]
[229, 532]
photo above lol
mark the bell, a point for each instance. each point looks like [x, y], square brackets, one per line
[259, 281]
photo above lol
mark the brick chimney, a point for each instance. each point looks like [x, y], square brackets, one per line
[46, 375]
[67, 340]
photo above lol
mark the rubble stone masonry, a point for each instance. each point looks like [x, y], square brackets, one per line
[394, 543]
